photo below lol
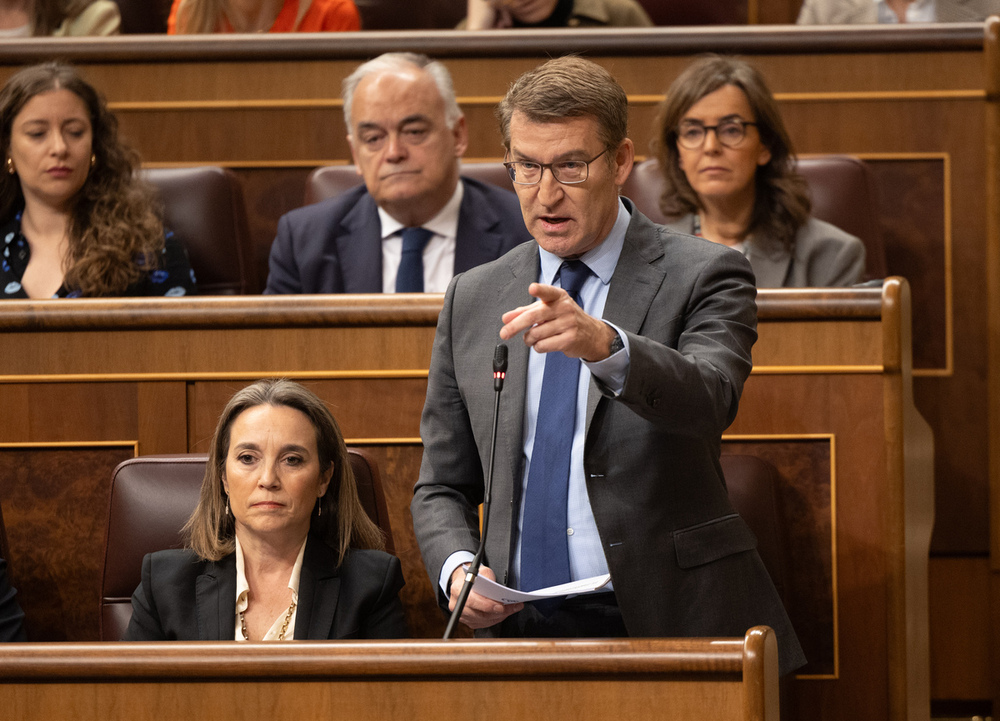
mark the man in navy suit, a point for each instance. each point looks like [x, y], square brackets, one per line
[414, 223]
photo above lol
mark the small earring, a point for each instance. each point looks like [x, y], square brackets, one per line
[10, 166]
[93, 159]
[319, 507]
[228, 512]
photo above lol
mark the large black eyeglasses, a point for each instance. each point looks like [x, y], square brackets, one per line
[730, 132]
[568, 172]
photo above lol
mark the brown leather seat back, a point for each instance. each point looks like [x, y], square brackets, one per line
[152, 498]
[204, 208]
[144, 16]
[753, 491]
[5, 550]
[330, 181]
[840, 185]
[696, 12]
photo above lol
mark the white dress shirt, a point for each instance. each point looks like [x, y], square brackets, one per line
[439, 253]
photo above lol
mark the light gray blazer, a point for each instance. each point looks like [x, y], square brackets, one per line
[823, 256]
[850, 12]
[682, 561]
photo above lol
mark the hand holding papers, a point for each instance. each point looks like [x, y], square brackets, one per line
[497, 592]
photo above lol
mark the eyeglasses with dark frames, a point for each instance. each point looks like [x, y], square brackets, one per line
[568, 172]
[730, 133]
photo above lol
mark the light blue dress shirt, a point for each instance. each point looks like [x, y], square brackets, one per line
[586, 555]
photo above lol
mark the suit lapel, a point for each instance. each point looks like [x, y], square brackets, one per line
[629, 299]
[215, 599]
[360, 247]
[319, 592]
[478, 238]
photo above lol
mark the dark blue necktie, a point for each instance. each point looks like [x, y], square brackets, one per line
[410, 276]
[544, 547]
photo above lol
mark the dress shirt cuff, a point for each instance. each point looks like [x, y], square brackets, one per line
[611, 371]
[451, 563]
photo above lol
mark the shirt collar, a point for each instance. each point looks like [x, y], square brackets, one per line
[601, 259]
[445, 223]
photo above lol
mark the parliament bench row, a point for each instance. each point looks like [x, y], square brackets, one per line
[205, 207]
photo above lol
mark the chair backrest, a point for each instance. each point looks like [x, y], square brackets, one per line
[840, 185]
[696, 12]
[152, 498]
[204, 207]
[144, 16]
[753, 490]
[329, 181]
[5, 550]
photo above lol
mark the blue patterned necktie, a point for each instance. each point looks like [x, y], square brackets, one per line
[544, 546]
[410, 276]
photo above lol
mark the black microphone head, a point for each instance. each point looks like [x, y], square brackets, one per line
[500, 358]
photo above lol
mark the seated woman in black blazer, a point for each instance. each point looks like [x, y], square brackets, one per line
[279, 546]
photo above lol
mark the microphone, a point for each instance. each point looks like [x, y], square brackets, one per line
[499, 374]
[499, 366]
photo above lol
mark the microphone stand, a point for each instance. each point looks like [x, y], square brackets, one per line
[499, 373]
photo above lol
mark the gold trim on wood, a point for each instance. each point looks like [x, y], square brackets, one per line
[818, 369]
[142, 106]
[832, 438]
[213, 376]
[415, 441]
[74, 444]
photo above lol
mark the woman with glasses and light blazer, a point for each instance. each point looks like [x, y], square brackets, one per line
[728, 164]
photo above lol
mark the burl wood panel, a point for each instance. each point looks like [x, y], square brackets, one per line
[55, 504]
[805, 508]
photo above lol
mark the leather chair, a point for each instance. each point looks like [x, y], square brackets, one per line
[5, 550]
[204, 207]
[842, 193]
[151, 499]
[330, 181]
[696, 12]
[144, 16]
[753, 491]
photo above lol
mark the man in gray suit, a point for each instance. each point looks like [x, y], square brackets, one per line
[625, 478]
[414, 222]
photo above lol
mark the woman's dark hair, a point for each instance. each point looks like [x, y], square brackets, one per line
[50, 14]
[781, 204]
[343, 523]
[115, 231]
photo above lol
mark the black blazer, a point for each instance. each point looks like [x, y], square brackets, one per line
[335, 246]
[11, 615]
[184, 598]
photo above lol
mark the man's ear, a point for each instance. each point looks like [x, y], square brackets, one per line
[354, 155]
[624, 159]
[461, 134]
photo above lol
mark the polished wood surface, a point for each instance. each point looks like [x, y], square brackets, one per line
[637, 679]
[828, 403]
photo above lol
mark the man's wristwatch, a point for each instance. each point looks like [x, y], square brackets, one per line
[617, 344]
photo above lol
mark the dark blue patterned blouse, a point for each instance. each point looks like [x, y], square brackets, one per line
[173, 277]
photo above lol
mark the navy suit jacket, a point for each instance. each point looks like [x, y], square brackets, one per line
[11, 615]
[184, 598]
[336, 246]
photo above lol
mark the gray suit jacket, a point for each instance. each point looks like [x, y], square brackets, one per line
[823, 256]
[682, 561]
[336, 246]
[184, 598]
[850, 12]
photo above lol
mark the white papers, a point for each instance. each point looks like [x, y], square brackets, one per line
[492, 589]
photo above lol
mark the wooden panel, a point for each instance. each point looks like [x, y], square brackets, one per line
[635, 679]
[55, 504]
[959, 611]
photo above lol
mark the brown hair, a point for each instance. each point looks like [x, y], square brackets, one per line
[48, 15]
[198, 16]
[343, 522]
[115, 233]
[568, 87]
[781, 199]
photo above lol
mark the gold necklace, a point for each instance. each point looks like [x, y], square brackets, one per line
[284, 626]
